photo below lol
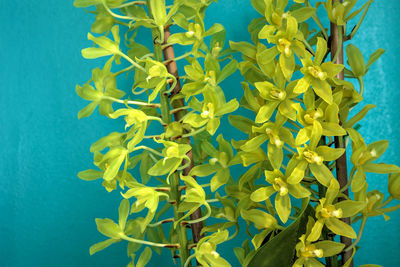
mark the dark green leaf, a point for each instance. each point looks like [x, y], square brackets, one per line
[279, 251]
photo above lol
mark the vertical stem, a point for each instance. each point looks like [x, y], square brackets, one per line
[175, 193]
[172, 69]
[336, 43]
[175, 182]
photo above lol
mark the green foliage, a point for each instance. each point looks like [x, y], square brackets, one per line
[279, 251]
[300, 128]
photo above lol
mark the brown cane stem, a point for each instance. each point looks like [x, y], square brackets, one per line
[336, 43]
[168, 52]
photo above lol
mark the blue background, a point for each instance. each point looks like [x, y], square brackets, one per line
[47, 213]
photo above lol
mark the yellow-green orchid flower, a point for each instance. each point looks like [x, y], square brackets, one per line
[313, 156]
[329, 213]
[307, 252]
[316, 73]
[326, 115]
[210, 111]
[363, 157]
[106, 86]
[206, 253]
[286, 44]
[283, 189]
[278, 96]
[277, 136]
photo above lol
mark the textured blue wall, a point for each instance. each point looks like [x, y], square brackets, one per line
[47, 213]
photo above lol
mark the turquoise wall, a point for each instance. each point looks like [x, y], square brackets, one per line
[47, 213]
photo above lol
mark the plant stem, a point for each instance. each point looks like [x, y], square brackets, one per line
[130, 102]
[188, 260]
[208, 214]
[364, 220]
[132, 3]
[341, 163]
[172, 68]
[161, 245]
[175, 193]
[148, 149]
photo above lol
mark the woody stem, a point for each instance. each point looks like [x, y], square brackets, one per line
[172, 68]
[336, 45]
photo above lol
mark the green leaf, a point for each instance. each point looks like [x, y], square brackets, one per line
[259, 238]
[102, 245]
[303, 14]
[145, 165]
[144, 257]
[90, 175]
[280, 250]
[108, 228]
